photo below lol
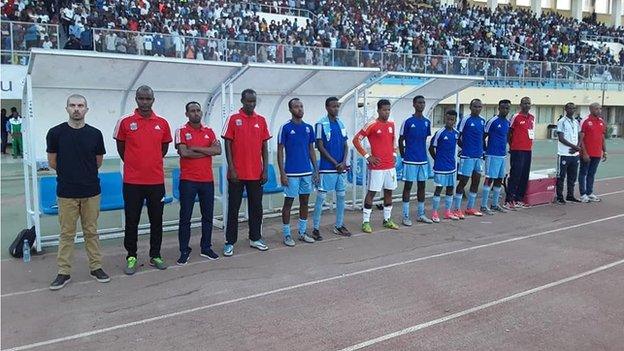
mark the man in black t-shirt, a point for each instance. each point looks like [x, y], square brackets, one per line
[75, 150]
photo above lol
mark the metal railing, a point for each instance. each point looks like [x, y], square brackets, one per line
[602, 38]
[19, 37]
[498, 72]
[282, 10]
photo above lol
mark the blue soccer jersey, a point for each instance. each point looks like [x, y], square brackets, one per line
[471, 129]
[497, 129]
[334, 145]
[445, 143]
[415, 130]
[296, 138]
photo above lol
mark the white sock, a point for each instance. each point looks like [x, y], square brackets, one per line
[366, 214]
[387, 213]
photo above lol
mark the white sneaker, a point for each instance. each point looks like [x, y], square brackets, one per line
[407, 222]
[584, 199]
[593, 198]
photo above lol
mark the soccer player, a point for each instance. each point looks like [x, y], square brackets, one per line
[521, 135]
[443, 149]
[247, 153]
[296, 139]
[567, 153]
[593, 148]
[196, 144]
[471, 130]
[142, 141]
[496, 130]
[331, 141]
[382, 175]
[413, 149]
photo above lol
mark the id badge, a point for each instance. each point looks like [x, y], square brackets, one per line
[531, 133]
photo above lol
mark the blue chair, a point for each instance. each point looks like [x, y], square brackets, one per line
[398, 165]
[47, 195]
[359, 172]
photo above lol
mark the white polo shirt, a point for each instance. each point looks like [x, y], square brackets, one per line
[570, 129]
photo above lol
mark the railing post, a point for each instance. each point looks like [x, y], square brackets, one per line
[93, 31]
[332, 61]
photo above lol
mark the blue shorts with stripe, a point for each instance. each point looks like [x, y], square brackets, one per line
[416, 173]
[333, 182]
[468, 166]
[298, 186]
[495, 167]
[444, 179]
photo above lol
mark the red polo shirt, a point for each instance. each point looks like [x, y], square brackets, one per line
[195, 169]
[247, 133]
[523, 131]
[143, 160]
[593, 129]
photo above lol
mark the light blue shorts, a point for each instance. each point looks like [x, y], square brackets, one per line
[495, 167]
[467, 166]
[298, 186]
[333, 182]
[415, 173]
[444, 179]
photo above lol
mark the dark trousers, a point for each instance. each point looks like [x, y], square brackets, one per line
[520, 162]
[5, 139]
[254, 202]
[586, 175]
[134, 197]
[567, 166]
[189, 190]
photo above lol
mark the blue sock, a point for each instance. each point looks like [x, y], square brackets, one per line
[340, 209]
[303, 225]
[472, 198]
[457, 199]
[286, 229]
[406, 210]
[436, 202]
[318, 209]
[421, 209]
[496, 195]
[486, 196]
[448, 202]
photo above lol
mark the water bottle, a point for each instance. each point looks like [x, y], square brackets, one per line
[26, 251]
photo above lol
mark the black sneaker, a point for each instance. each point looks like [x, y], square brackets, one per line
[100, 276]
[60, 282]
[184, 258]
[561, 201]
[342, 231]
[316, 235]
[572, 199]
[209, 254]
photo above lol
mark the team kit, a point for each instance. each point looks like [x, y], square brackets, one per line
[457, 157]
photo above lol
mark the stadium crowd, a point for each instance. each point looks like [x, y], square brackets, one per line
[367, 25]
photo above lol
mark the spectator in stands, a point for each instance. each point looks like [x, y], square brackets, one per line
[143, 139]
[76, 150]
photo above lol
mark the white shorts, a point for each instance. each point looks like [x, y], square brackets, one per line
[382, 179]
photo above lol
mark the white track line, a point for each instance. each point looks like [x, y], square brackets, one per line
[421, 326]
[302, 285]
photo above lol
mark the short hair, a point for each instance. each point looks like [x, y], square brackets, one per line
[451, 113]
[13, 109]
[568, 104]
[291, 101]
[504, 101]
[76, 96]
[474, 100]
[525, 98]
[247, 91]
[594, 105]
[417, 97]
[330, 99]
[383, 102]
[186, 108]
[145, 88]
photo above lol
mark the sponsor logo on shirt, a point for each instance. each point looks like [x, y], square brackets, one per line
[206, 136]
[157, 127]
[292, 131]
[256, 126]
[445, 138]
[413, 125]
[378, 131]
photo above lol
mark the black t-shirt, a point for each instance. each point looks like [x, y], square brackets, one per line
[76, 151]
